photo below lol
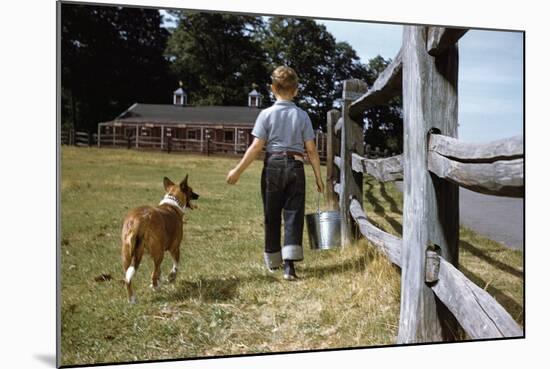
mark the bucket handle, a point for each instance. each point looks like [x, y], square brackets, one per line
[318, 198]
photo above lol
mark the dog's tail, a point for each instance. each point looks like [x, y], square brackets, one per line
[133, 241]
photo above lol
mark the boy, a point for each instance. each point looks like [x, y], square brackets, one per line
[284, 129]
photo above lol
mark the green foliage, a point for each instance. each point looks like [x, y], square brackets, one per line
[111, 57]
[217, 57]
[384, 123]
[220, 56]
[321, 62]
[115, 56]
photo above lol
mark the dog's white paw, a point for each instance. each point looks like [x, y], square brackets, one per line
[153, 287]
[132, 300]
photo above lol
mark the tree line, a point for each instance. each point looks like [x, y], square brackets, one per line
[114, 56]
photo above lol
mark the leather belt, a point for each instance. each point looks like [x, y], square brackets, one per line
[286, 153]
[296, 155]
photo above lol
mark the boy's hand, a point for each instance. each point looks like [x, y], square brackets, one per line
[232, 176]
[320, 186]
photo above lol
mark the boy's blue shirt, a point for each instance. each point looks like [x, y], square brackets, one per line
[284, 127]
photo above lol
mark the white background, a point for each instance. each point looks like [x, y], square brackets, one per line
[28, 187]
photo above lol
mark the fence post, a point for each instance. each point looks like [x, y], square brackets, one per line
[430, 210]
[235, 132]
[332, 148]
[351, 141]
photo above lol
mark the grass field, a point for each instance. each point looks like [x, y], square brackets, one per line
[223, 301]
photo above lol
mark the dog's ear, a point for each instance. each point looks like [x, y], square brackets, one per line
[167, 184]
[183, 184]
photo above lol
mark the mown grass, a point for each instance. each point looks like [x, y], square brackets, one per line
[223, 301]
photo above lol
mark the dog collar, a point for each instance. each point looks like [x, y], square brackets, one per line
[172, 200]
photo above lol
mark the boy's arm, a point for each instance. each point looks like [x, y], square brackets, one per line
[315, 163]
[249, 156]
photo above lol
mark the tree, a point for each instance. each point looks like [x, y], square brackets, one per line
[321, 62]
[217, 57]
[384, 123]
[114, 56]
[111, 57]
[347, 65]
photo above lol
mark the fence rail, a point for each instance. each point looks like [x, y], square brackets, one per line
[389, 244]
[180, 144]
[505, 149]
[386, 86]
[433, 165]
[476, 310]
[500, 178]
[384, 170]
[77, 138]
[441, 38]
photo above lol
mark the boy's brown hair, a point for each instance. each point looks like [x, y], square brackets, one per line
[284, 80]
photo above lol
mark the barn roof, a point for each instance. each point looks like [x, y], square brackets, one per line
[177, 114]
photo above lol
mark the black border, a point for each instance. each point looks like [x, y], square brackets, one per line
[58, 186]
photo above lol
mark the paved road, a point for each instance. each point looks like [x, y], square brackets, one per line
[498, 218]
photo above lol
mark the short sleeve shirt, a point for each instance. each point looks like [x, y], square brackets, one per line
[284, 127]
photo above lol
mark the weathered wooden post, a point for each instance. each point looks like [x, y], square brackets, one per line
[332, 149]
[430, 214]
[351, 142]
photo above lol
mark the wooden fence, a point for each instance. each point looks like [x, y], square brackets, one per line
[118, 138]
[78, 138]
[71, 137]
[435, 295]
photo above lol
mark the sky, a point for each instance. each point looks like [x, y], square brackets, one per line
[490, 74]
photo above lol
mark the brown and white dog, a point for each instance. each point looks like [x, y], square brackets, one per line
[156, 229]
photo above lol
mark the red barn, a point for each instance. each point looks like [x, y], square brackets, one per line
[182, 127]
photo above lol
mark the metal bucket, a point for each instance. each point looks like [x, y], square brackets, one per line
[323, 229]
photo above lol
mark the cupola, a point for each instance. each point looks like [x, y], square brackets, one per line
[180, 97]
[254, 98]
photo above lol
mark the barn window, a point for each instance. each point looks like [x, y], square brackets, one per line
[229, 135]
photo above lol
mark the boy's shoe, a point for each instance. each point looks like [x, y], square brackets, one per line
[273, 270]
[289, 273]
[290, 277]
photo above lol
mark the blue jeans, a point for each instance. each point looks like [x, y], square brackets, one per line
[283, 193]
